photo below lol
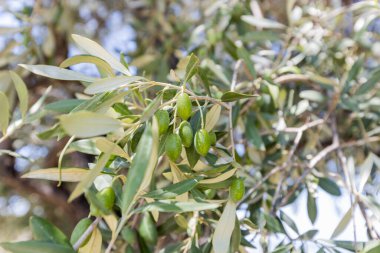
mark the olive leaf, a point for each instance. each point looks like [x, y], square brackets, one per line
[45, 231]
[224, 228]
[175, 206]
[95, 49]
[86, 182]
[4, 112]
[85, 124]
[231, 96]
[343, 223]
[103, 144]
[111, 83]
[142, 166]
[77, 59]
[219, 178]
[173, 190]
[94, 244]
[36, 247]
[22, 92]
[64, 106]
[212, 117]
[57, 73]
[191, 68]
[68, 174]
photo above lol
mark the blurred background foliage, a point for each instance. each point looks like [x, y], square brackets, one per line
[308, 60]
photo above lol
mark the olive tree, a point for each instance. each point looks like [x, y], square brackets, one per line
[235, 112]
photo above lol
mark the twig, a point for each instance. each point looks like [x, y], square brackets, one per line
[235, 74]
[233, 85]
[214, 100]
[287, 162]
[350, 186]
[360, 142]
[303, 127]
[322, 154]
[86, 233]
[291, 78]
[206, 98]
[370, 228]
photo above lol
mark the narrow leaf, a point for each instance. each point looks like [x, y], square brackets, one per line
[253, 134]
[151, 109]
[311, 208]
[343, 223]
[173, 190]
[243, 54]
[230, 96]
[68, 175]
[86, 182]
[223, 231]
[365, 170]
[4, 112]
[86, 146]
[45, 231]
[219, 178]
[88, 59]
[111, 83]
[329, 186]
[154, 156]
[283, 248]
[94, 244]
[212, 117]
[95, 49]
[372, 247]
[352, 74]
[64, 106]
[370, 84]
[105, 145]
[217, 70]
[176, 206]
[22, 92]
[144, 159]
[308, 235]
[191, 68]
[284, 217]
[57, 73]
[85, 124]
[36, 247]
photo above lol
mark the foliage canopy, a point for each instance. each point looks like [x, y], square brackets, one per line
[231, 112]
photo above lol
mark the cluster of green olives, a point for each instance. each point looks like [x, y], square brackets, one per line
[202, 139]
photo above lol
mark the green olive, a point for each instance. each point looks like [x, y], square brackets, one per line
[107, 197]
[173, 147]
[183, 106]
[212, 138]
[202, 142]
[163, 121]
[237, 189]
[186, 134]
[79, 230]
